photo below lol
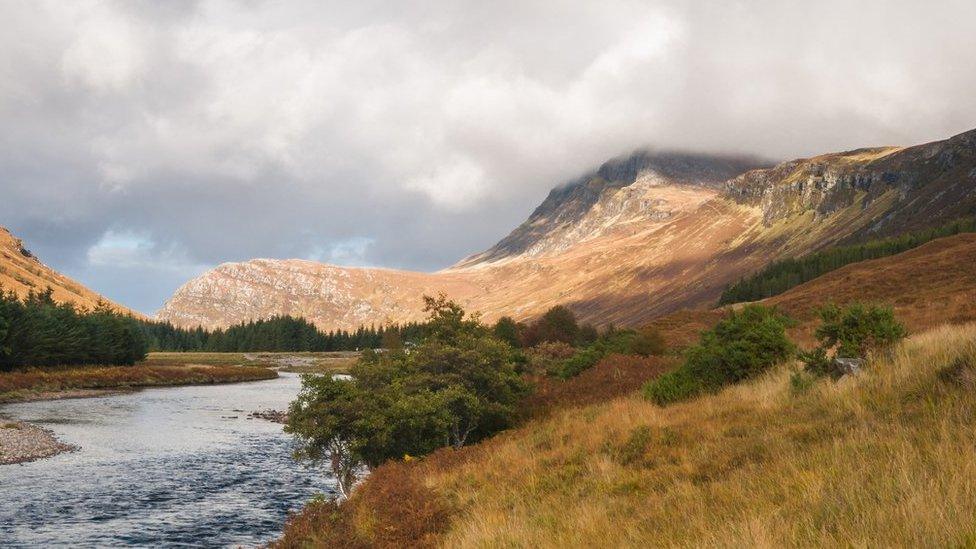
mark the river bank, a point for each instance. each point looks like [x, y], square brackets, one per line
[22, 442]
[79, 382]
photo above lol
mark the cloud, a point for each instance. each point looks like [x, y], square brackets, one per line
[137, 136]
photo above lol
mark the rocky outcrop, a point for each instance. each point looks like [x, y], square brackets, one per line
[919, 184]
[585, 207]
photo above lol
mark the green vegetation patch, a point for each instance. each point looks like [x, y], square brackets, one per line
[458, 386]
[742, 346]
[780, 276]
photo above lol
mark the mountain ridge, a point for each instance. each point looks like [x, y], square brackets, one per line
[625, 252]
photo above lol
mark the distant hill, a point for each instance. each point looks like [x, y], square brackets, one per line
[642, 236]
[21, 272]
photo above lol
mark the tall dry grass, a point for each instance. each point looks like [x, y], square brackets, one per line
[882, 459]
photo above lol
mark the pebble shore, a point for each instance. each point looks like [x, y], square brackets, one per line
[22, 442]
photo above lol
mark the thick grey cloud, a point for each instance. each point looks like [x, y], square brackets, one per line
[143, 142]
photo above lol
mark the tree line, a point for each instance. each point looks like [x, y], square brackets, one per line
[37, 331]
[780, 276]
[278, 333]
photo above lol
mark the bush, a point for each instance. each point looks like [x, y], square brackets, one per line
[742, 346]
[648, 342]
[852, 332]
[858, 329]
[817, 362]
[582, 360]
[558, 324]
[547, 356]
[621, 342]
[800, 382]
[672, 387]
[509, 331]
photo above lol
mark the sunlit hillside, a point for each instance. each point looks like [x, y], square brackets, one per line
[884, 458]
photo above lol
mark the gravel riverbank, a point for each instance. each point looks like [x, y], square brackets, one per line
[21, 442]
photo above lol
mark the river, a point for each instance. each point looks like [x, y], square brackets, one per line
[167, 467]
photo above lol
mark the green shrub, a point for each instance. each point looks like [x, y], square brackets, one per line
[817, 362]
[623, 342]
[858, 329]
[853, 331]
[507, 330]
[672, 387]
[582, 360]
[557, 324]
[800, 382]
[742, 346]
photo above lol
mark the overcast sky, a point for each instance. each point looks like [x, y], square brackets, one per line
[144, 142]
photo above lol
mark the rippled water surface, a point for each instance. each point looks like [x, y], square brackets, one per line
[169, 467]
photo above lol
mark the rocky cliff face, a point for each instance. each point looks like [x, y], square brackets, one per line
[21, 272]
[918, 185]
[639, 237]
[620, 191]
[329, 296]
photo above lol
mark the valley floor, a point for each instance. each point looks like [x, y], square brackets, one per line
[883, 458]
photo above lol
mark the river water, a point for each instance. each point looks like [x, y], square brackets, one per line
[167, 467]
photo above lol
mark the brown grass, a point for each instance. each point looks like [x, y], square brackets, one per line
[392, 509]
[298, 362]
[614, 376]
[883, 459]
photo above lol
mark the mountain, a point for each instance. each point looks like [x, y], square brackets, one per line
[621, 191]
[21, 272]
[641, 236]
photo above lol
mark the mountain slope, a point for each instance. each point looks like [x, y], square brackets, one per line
[638, 238]
[761, 463]
[926, 286]
[21, 272]
[619, 192]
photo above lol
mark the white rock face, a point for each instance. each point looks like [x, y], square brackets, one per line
[325, 294]
[651, 198]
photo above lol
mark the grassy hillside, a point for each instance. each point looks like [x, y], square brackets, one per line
[926, 286]
[780, 276]
[21, 272]
[884, 458]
